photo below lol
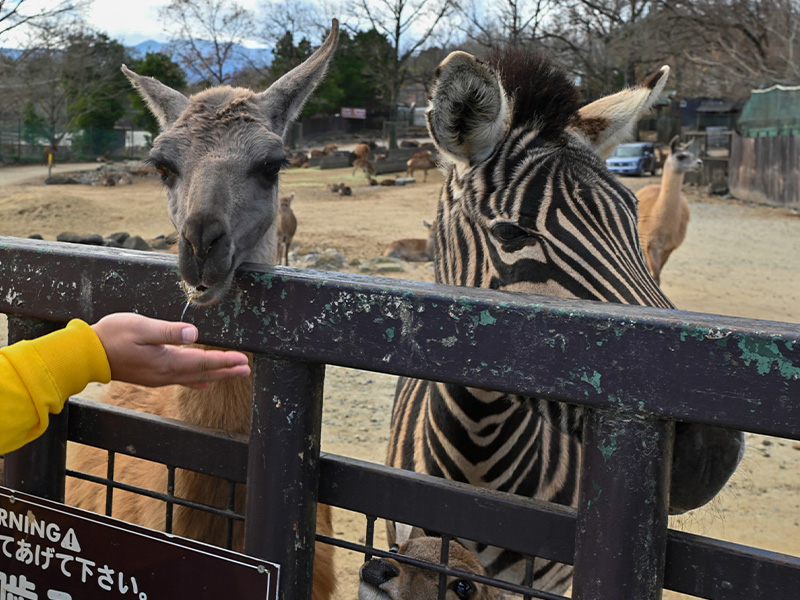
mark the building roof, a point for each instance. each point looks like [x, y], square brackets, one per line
[772, 111]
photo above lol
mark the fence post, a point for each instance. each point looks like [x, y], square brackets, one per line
[39, 467]
[621, 532]
[283, 470]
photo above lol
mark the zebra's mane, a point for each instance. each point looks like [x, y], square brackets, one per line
[543, 94]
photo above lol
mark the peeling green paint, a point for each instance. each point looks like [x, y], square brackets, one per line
[763, 354]
[593, 381]
[608, 449]
[390, 334]
[487, 319]
[264, 279]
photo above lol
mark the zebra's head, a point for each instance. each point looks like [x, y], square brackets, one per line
[529, 204]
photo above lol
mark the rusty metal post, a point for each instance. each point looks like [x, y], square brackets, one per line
[283, 470]
[39, 467]
[621, 535]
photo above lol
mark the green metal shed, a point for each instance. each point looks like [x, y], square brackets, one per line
[773, 111]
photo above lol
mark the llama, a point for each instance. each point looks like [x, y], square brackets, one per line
[420, 161]
[219, 155]
[389, 579]
[412, 249]
[664, 211]
[287, 226]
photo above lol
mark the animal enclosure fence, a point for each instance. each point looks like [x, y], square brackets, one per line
[637, 368]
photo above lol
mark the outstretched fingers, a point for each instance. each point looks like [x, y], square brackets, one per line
[196, 366]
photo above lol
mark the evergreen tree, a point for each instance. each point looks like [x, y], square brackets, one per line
[34, 126]
[168, 72]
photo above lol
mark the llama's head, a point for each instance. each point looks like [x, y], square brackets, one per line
[219, 154]
[388, 579]
[680, 159]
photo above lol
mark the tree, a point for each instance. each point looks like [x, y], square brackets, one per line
[732, 46]
[205, 35]
[505, 22]
[408, 25]
[34, 127]
[18, 13]
[168, 72]
[96, 90]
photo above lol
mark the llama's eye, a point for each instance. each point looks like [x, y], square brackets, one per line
[166, 172]
[463, 589]
[266, 172]
[508, 233]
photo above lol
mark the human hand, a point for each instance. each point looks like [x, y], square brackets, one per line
[147, 352]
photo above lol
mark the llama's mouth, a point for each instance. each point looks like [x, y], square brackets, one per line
[203, 295]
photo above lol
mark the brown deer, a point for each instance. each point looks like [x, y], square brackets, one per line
[420, 161]
[412, 249]
[287, 227]
[664, 210]
[389, 579]
[219, 155]
[362, 160]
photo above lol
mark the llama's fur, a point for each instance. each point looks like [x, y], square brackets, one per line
[664, 210]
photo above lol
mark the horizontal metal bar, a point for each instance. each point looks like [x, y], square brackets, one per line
[695, 564]
[726, 371]
[158, 439]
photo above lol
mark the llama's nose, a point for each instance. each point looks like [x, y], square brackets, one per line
[377, 572]
[202, 232]
[204, 250]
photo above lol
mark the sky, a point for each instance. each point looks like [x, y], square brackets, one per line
[129, 22]
[137, 22]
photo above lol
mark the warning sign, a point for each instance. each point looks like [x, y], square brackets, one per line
[56, 552]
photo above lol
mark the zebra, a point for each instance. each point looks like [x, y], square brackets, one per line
[528, 205]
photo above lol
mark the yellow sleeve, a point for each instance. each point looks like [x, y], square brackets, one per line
[37, 376]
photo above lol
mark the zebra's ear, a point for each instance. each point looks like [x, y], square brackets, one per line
[469, 112]
[608, 121]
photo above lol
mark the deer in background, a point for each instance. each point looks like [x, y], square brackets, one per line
[362, 160]
[664, 210]
[420, 161]
[219, 155]
[412, 249]
[287, 226]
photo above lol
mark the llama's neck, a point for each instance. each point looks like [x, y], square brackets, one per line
[669, 196]
[224, 405]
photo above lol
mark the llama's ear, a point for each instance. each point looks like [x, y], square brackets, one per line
[469, 111]
[674, 144]
[284, 99]
[165, 103]
[608, 121]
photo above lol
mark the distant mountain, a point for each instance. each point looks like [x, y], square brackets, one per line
[243, 56]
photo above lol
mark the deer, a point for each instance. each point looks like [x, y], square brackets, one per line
[390, 579]
[287, 226]
[664, 210]
[412, 249]
[219, 155]
[420, 161]
[362, 160]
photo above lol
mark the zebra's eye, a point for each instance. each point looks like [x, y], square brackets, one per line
[463, 589]
[507, 233]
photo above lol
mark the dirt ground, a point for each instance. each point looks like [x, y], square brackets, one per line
[737, 259]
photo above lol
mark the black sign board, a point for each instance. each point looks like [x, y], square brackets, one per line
[49, 551]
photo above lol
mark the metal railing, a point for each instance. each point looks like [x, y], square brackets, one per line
[638, 368]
